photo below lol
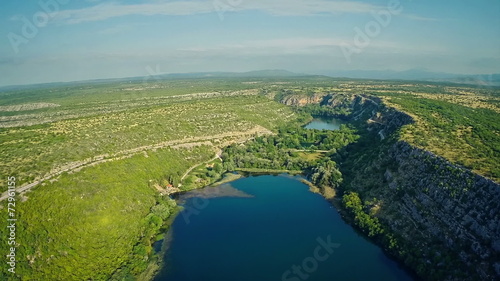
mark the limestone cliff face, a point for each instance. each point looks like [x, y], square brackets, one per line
[302, 100]
[452, 213]
[361, 107]
[334, 100]
[446, 219]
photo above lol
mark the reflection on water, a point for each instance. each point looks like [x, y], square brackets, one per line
[223, 190]
[324, 123]
[262, 228]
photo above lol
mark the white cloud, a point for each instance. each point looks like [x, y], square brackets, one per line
[110, 10]
[311, 7]
[275, 7]
[313, 45]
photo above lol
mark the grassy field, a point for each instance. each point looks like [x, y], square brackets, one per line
[461, 124]
[465, 133]
[32, 152]
[203, 175]
[86, 225]
[106, 156]
[311, 156]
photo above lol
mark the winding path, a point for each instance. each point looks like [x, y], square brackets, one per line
[217, 155]
[187, 142]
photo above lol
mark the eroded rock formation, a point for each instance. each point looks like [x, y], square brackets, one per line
[445, 218]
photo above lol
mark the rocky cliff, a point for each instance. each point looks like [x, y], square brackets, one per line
[365, 108]
[444, 218]
[301, 100]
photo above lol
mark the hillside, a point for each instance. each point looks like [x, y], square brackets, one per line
[412, 172]
[457, 123]
[94, 162]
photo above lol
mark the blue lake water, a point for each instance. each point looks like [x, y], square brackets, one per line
[269, 228]
[323, 123]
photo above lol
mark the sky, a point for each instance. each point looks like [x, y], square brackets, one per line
[68, 40]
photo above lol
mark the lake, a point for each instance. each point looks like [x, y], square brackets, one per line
[268, 228]
[325, 123]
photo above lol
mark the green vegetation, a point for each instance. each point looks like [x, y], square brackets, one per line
[294, 149]
[318, 110]
[33, 152]
[88, 224]
[394, 193]
[106, 159]
[106, 151]
[459, 123]
[310, 155]
[283, 151]
[228, 177]
[203, 175]
[366, 222]
[464, 135]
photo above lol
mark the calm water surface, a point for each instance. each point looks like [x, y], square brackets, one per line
[269, 228]
[323, 123]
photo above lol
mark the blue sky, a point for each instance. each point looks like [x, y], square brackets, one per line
[69, 40]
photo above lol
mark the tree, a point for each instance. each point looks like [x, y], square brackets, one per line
[161, 210]
[218, 168]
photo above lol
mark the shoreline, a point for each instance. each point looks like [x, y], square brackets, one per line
[257, 171]
[158, 258]
[336, 202]
[228, 177]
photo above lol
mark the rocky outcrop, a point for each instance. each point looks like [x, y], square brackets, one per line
[302, 100]
[444, 218]
[384, 120]
[456, 213]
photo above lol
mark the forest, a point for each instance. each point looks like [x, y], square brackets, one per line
[309, 151]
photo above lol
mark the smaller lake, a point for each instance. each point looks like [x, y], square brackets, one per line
[325, 123]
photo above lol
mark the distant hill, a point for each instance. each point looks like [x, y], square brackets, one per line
[258, 73]
[270, 73]
[479, 80]
[487, 80]
[419, 75]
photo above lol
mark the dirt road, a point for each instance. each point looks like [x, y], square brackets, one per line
[238, 136]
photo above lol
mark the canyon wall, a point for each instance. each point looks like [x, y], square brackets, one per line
[444, 218]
